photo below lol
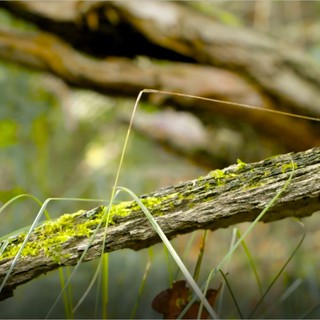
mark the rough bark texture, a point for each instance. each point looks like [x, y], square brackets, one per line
[220, 199]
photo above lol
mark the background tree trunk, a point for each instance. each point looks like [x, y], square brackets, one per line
[224, 62]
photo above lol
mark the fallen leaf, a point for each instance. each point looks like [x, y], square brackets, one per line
[171, 302]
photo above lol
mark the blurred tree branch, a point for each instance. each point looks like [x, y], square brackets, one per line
[172, 31]
[202, 57]
[221, 199]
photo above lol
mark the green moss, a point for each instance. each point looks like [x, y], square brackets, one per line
[267, 173]
[221, 177]
[49, 237]
[289, 166]
[253, 185]
[284, 168]
[241, 165]
[217, 174]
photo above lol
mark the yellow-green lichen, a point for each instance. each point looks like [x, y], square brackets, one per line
[253, 185]
[289, 166]
[241, 165]
[221, 176]
[126, 208]
[217, 174]
[48, 237]
[267, 173]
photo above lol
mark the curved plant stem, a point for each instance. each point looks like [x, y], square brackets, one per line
[280, 271]
[231, 292]
[174, 254]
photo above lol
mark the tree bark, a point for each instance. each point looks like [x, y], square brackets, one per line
[222, 198]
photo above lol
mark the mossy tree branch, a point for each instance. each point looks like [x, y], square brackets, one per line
[221, 199]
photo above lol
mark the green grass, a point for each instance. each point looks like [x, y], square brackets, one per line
[101, 276]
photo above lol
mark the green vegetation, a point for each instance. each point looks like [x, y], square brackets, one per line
[56, 141]
[288, 166]
[50, 235]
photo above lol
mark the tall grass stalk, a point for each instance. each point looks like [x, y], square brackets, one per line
[231, 292]
[67, 295]
[185, 253]
[244, 235]
[252, 264]
[173, 253]
[288, 292]
[281, 269]
[143, 282]
[101, 274]
[200, 257]
[233, 240]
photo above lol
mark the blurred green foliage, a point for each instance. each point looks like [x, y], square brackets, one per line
[51, 150]
[9, 20]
